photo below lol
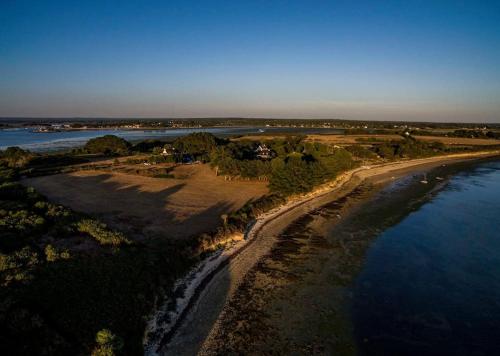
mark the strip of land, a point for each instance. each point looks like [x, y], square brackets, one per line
[200, 325]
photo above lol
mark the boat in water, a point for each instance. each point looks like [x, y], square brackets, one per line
[424, 180]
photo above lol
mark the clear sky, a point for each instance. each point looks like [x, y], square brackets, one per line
[395, 60]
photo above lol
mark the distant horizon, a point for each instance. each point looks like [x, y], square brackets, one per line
[20, 118]
[413, 61]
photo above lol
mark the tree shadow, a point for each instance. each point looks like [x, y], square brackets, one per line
[129, 208]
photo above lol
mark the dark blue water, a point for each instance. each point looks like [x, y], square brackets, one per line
[52, 141]
[431, 284]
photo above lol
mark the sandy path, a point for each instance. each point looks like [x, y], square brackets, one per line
[200, 322]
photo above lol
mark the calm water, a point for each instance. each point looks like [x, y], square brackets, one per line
[430, 285]
[52, 141]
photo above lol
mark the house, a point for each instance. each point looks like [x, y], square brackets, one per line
[263, 152]
[168, 151]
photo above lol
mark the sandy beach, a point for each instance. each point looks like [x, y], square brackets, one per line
[198, 324]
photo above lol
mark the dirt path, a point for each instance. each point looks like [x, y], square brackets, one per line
[200, 322]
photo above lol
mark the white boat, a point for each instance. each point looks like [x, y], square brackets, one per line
[424, 181]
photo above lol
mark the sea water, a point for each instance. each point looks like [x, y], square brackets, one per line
[27, 138]
[430, 285]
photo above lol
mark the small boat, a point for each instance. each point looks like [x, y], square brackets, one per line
[439, 178]
[424, 181]
[260, 130]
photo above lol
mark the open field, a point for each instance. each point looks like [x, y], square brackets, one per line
[352, 139]
[189, 204]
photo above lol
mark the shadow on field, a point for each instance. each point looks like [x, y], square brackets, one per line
[172, 212]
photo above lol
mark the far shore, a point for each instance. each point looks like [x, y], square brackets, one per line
[197, 322]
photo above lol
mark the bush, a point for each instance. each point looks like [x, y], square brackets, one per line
[101, 233]
[15, 156]
[107, 343]
[52, 254]
[17, 266]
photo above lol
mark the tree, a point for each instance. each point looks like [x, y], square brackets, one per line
[108, 144]
[107, 343]
[15, 156]
[199, 145]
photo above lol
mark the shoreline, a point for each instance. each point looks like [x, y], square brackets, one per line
[206, 296]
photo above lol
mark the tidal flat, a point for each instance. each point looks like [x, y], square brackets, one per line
[298, 299]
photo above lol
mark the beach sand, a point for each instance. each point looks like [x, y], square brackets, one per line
[204, 327]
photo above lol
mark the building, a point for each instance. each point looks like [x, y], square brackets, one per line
[168, 151]
[263, 152]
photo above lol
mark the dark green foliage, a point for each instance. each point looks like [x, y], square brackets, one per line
[107, 343]
[295, 176]
[410, 148]
[17, 266]
[242, 164]
[15, 156]
[101, 233]
[361, 152]
[297, 167]
[108, 145]
[475, 134]
[240, 218]
[74, 299]
[7, 174]
[198, 145]
[147, 145]
[58, 299]
[305, 166]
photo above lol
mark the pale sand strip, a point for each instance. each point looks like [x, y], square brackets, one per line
[211, 289]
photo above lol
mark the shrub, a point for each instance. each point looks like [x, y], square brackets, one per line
[17, 266]
[50, 253]
[107, 343]
[15, 156]
[101, 233]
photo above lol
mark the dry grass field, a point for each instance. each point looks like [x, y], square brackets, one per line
[190, 203]
[352, 139]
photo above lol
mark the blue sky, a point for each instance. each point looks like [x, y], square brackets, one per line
[394, 60]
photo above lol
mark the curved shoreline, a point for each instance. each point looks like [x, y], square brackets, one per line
[203, 308]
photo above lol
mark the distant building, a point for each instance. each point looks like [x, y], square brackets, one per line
[168, 151]
[263, 152]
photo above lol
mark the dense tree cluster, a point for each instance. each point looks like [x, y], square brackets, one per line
[297, 165]
[108, 145]
[409, 147]
[475, 134]
[198, 145]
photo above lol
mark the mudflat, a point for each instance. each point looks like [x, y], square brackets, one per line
[203, 328]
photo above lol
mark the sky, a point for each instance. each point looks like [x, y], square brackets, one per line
[367, 60]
